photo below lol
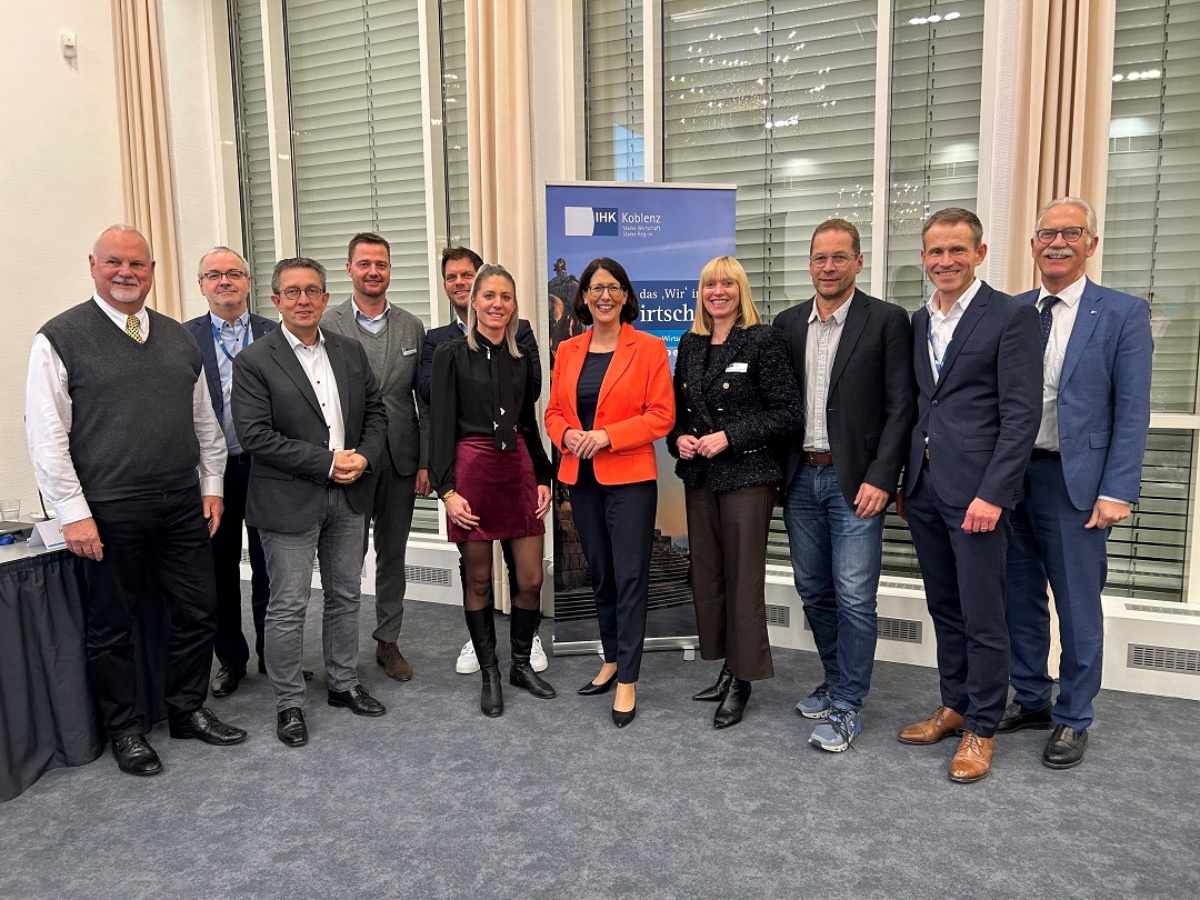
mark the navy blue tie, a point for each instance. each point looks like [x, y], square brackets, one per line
[1046, 319]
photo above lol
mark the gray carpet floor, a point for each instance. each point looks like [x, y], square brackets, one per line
[551, 801]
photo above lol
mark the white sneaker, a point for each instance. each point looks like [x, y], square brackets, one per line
[537, 656]
[468, 663]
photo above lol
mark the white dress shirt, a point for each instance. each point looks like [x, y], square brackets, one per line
[821, 346]
[315, 362]
[1063, 315]
[48, 417]
[942, 326]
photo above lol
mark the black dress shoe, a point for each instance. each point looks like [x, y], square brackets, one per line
[733, 705]
[716, 693]
[135, 756]
[1065, 748]
[591, 689]
[202, 725]
[1017, 717]
[621, 719]
[262, 670]
[290, 727]
[358, 701]
[225, 682]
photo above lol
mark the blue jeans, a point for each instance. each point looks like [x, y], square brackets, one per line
[836, 559]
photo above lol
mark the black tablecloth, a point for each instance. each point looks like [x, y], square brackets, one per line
[47, 715]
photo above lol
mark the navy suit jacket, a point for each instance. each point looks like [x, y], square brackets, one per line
[872, 400]
[280, 424]
[438, 336]
[1104, 396]
[201, 329]
[982, 416]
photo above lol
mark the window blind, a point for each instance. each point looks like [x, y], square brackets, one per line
[613, 104]
[454, 122]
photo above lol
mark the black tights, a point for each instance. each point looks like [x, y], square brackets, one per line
[477, 564]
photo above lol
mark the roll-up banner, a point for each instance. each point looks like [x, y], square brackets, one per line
[662, 234]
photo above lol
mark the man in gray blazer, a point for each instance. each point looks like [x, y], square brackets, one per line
[307, 409]
[392, 338]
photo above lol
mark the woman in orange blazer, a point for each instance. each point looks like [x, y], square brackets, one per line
[611, 398]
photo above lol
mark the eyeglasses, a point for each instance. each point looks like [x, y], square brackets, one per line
[233, 275]
[599, 290]
[312, 292]
[839, 260]
[1070, 235]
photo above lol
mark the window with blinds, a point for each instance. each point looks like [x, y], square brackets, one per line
[613, 104]
[781, 102]
[354, 84]
[936, 84]
[1153, 206]
[454, 121]
[253, 150]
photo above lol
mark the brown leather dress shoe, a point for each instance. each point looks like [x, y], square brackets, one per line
[388, 655]
[973, 760]
[943, 723]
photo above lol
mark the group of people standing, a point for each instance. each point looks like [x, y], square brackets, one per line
[1008, 430]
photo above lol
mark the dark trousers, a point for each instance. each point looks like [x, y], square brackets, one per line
[727, 534]
[230, 644]
[616, 529]
[392, 512]
[155, 551]
[964, 589]
[1049, 543]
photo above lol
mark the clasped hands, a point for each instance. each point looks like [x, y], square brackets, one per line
[348, 466]
[586, 444]
[458, 509]
[708, 446]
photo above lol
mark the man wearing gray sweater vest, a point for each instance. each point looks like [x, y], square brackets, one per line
[119, 421]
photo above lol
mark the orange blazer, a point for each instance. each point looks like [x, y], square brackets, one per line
[636, 407]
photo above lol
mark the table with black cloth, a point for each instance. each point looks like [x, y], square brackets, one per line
[47, 715]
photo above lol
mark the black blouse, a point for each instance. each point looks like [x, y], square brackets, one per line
[481, 392]
[587, 390]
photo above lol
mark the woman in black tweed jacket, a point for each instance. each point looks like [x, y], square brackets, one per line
[736, 399]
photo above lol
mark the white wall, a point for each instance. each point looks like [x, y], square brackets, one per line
[60, 178]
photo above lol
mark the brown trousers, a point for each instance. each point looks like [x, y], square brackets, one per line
[727, 532]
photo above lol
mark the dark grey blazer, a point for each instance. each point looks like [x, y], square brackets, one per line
[408, 414]
[279, 423]
[756, 404]
[872, 396]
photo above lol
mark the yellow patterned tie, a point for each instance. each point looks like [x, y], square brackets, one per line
[133, 329]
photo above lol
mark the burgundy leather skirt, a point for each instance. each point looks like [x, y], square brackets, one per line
[501, 488]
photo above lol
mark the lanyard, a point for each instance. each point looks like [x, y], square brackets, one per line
[221, 341]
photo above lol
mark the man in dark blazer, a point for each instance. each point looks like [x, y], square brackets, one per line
[392, 338]
[852, 355]
[977, 360]
[1085, 475]
[222, 333]
[459, 265]
[307, 409]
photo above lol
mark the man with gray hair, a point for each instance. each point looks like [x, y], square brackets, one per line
[119, 425]
[307, 409]
[1084, 476]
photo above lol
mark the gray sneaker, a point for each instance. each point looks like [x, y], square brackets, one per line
[816, 704]
[838, 731]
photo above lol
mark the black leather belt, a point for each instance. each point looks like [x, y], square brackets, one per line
[818, 459]
[1044, 454]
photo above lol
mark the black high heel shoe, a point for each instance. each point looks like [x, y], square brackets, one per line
[716, 693]
[621, 719]
[591, 689]
[733, 704]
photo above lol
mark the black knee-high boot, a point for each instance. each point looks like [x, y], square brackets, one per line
[521, 626]
[481, 623]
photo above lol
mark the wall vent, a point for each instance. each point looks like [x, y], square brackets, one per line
[780, 615]
[1142, 607]
[1164, 659]
[428, 575]
[906, 630]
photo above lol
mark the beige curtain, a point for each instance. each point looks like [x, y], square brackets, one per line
[1064, 72]
[500, 159]
[145, 143]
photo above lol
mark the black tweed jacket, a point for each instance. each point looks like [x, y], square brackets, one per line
[744, 387]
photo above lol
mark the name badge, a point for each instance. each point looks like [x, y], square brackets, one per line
[408, 351]
[741, 368]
